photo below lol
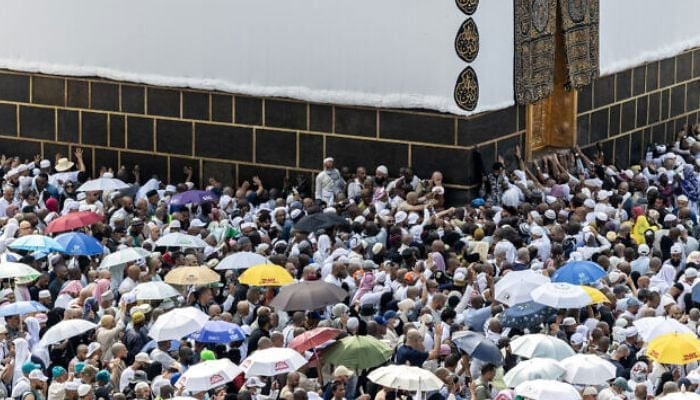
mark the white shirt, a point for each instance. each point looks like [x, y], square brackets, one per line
[162, 357]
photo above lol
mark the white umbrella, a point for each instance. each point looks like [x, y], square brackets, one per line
[651, 327]
[156, 290]
[272, 362]
[404, 377]
[516, 287]
[542, 389]
[130, 254]
[241, 260]
[588, 369]
[177, 239]
[539, 345]
[9, 270]
[536, 368]
[208, 374]
[66, 329]
[178, 323]
[561, 295]
[105, 183]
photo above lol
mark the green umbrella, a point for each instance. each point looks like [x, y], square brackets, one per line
[358, 352]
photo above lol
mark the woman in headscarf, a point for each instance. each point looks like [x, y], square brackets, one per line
[641, 224]
[22, 355]
[38, 351]
[324, 249]
[8, 234]
[690, 185]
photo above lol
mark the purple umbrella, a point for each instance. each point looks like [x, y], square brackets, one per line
[193, 197]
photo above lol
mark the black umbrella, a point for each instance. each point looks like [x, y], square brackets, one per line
[308, 295]
[314, 222]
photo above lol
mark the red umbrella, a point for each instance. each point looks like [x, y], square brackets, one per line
[72, 221]
[313, 338]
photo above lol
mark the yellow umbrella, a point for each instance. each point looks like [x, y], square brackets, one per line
[674, 348]
[188, 276]
[266, 275]
[596, 295]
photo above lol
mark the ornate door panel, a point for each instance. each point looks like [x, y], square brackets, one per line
[535, 28]
[579, 21]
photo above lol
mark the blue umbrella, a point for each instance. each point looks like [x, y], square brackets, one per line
[193, 197]
[22, 308]
[696, 294]
[526, 315]
[478, 346]
[37, 243]
[79, 244]
[219, 332]
[579, 273]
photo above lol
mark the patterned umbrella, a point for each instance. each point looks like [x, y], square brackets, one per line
[526, 315]
[193, 197]
[579, 273]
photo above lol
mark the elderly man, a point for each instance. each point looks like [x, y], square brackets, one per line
[329, 182]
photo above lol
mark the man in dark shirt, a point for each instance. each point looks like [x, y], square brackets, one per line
[413, 353]
[263, 330]
[136, 336]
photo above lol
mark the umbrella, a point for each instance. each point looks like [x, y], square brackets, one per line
[596, 295]
[652, 327]
[22, 308]
[36, 243]
[241, 260]
[73, 220]
[478, 346]
[10, 270]
[187, 276]
[313, 338]
[578, 273]
[516, 287]
[130, 254]
[66, 329]
[674, 348]
[526, 315]
[358, 352]
[193, 197]
[265, 275]
[177, 239]
[208, 374]
[219, 332]
[155, 290]
[178, 323]
[79, 244]
[103, 184]
[272, 362]
[308, 295]
[562, 295]
[314, 222]
[404, 377]
[696, 294]
[539, 345]
[543, 389]
[588, 369]
[536, 368]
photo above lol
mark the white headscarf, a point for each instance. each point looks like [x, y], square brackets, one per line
[22, 355]
[37, 350]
